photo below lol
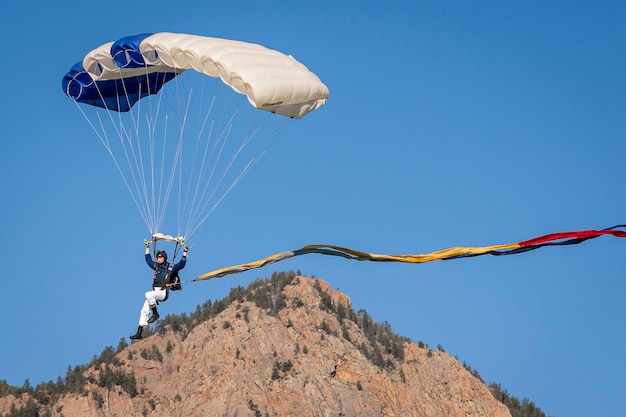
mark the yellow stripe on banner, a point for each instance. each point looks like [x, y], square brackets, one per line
[356, 255]
[235, 269]
[434, 256]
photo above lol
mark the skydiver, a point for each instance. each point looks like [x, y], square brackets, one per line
[159, 291]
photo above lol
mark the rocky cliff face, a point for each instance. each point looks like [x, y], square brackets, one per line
[301, 352]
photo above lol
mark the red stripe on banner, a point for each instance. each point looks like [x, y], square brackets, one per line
[581, 234]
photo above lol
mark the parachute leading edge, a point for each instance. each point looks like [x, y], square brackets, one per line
[553, 239]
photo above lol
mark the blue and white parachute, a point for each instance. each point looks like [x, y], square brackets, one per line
[117, 74]
[139, 97]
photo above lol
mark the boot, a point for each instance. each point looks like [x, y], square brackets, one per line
[137, 335]
[155, 315]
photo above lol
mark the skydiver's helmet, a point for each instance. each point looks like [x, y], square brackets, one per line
[162, 253]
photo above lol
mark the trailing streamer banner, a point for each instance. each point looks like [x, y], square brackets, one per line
[552, 239]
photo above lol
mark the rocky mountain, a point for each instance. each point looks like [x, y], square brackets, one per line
[287, 346]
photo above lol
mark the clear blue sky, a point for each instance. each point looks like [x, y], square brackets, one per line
[449, 124]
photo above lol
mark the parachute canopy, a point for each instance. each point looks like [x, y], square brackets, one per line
[118, 74]
[173, 111]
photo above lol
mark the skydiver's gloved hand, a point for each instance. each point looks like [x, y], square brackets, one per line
[147, 243]
[185, 248]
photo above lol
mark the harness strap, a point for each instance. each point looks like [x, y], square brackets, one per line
[170, 268]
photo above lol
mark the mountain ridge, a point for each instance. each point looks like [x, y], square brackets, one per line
[286, 346]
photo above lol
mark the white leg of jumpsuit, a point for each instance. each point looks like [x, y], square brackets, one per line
[158, 294]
